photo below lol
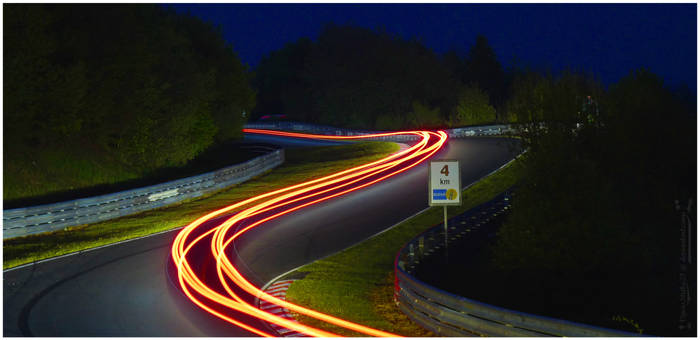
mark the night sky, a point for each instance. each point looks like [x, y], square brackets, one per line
[606, 39]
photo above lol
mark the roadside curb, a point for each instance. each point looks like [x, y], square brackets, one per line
[279, 289]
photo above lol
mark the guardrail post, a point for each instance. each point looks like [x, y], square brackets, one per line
[421, 245]
[445, 215]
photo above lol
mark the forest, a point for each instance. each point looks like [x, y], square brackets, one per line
[361, 78]
[99, 94]
[596, 216]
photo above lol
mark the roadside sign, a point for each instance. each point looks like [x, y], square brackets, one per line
[445, 187]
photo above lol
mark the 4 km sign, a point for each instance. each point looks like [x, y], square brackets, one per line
[444, 184]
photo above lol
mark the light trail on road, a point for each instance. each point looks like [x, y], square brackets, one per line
[201, 249]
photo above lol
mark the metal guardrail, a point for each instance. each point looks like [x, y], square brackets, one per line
[448, 314]
[470, 131]
[484, 130]
[55, 216]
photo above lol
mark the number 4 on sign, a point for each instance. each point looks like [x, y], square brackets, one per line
[445, 170]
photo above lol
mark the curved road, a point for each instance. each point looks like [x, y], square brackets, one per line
[125, 290]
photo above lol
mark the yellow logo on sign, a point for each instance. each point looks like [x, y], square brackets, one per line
[451, 194]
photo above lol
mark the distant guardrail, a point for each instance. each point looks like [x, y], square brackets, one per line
[483, 130]
[447, 314]
[55, 216]
[469, 131]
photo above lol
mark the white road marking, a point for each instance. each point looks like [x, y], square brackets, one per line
[279, 290]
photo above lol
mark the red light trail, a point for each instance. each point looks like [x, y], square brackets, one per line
[226, 293]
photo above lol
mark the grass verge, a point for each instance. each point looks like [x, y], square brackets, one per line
[338, 286]
[301, 164]
[65, 173]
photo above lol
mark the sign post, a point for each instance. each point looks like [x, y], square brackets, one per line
[444, 187]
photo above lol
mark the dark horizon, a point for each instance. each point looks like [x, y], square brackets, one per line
[607, 40]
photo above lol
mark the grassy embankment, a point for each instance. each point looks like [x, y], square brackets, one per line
[64, 172]
[357, 284]
[301, 165]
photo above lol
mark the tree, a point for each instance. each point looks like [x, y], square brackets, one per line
[484, 69]
[457, 64]
[141, 83]
[281, 84]
[473, 108]
[43, 94]
[388, 122]
[423, 117]
[352, 76]
[596, 206]
[525, 104]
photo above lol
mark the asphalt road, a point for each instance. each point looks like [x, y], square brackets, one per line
[125, 290]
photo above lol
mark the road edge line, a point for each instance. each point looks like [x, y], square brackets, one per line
[90, 249]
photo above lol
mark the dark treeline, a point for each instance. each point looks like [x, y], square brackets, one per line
[101, 94]
[141, 83]
[360, 78]
[594, 222]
